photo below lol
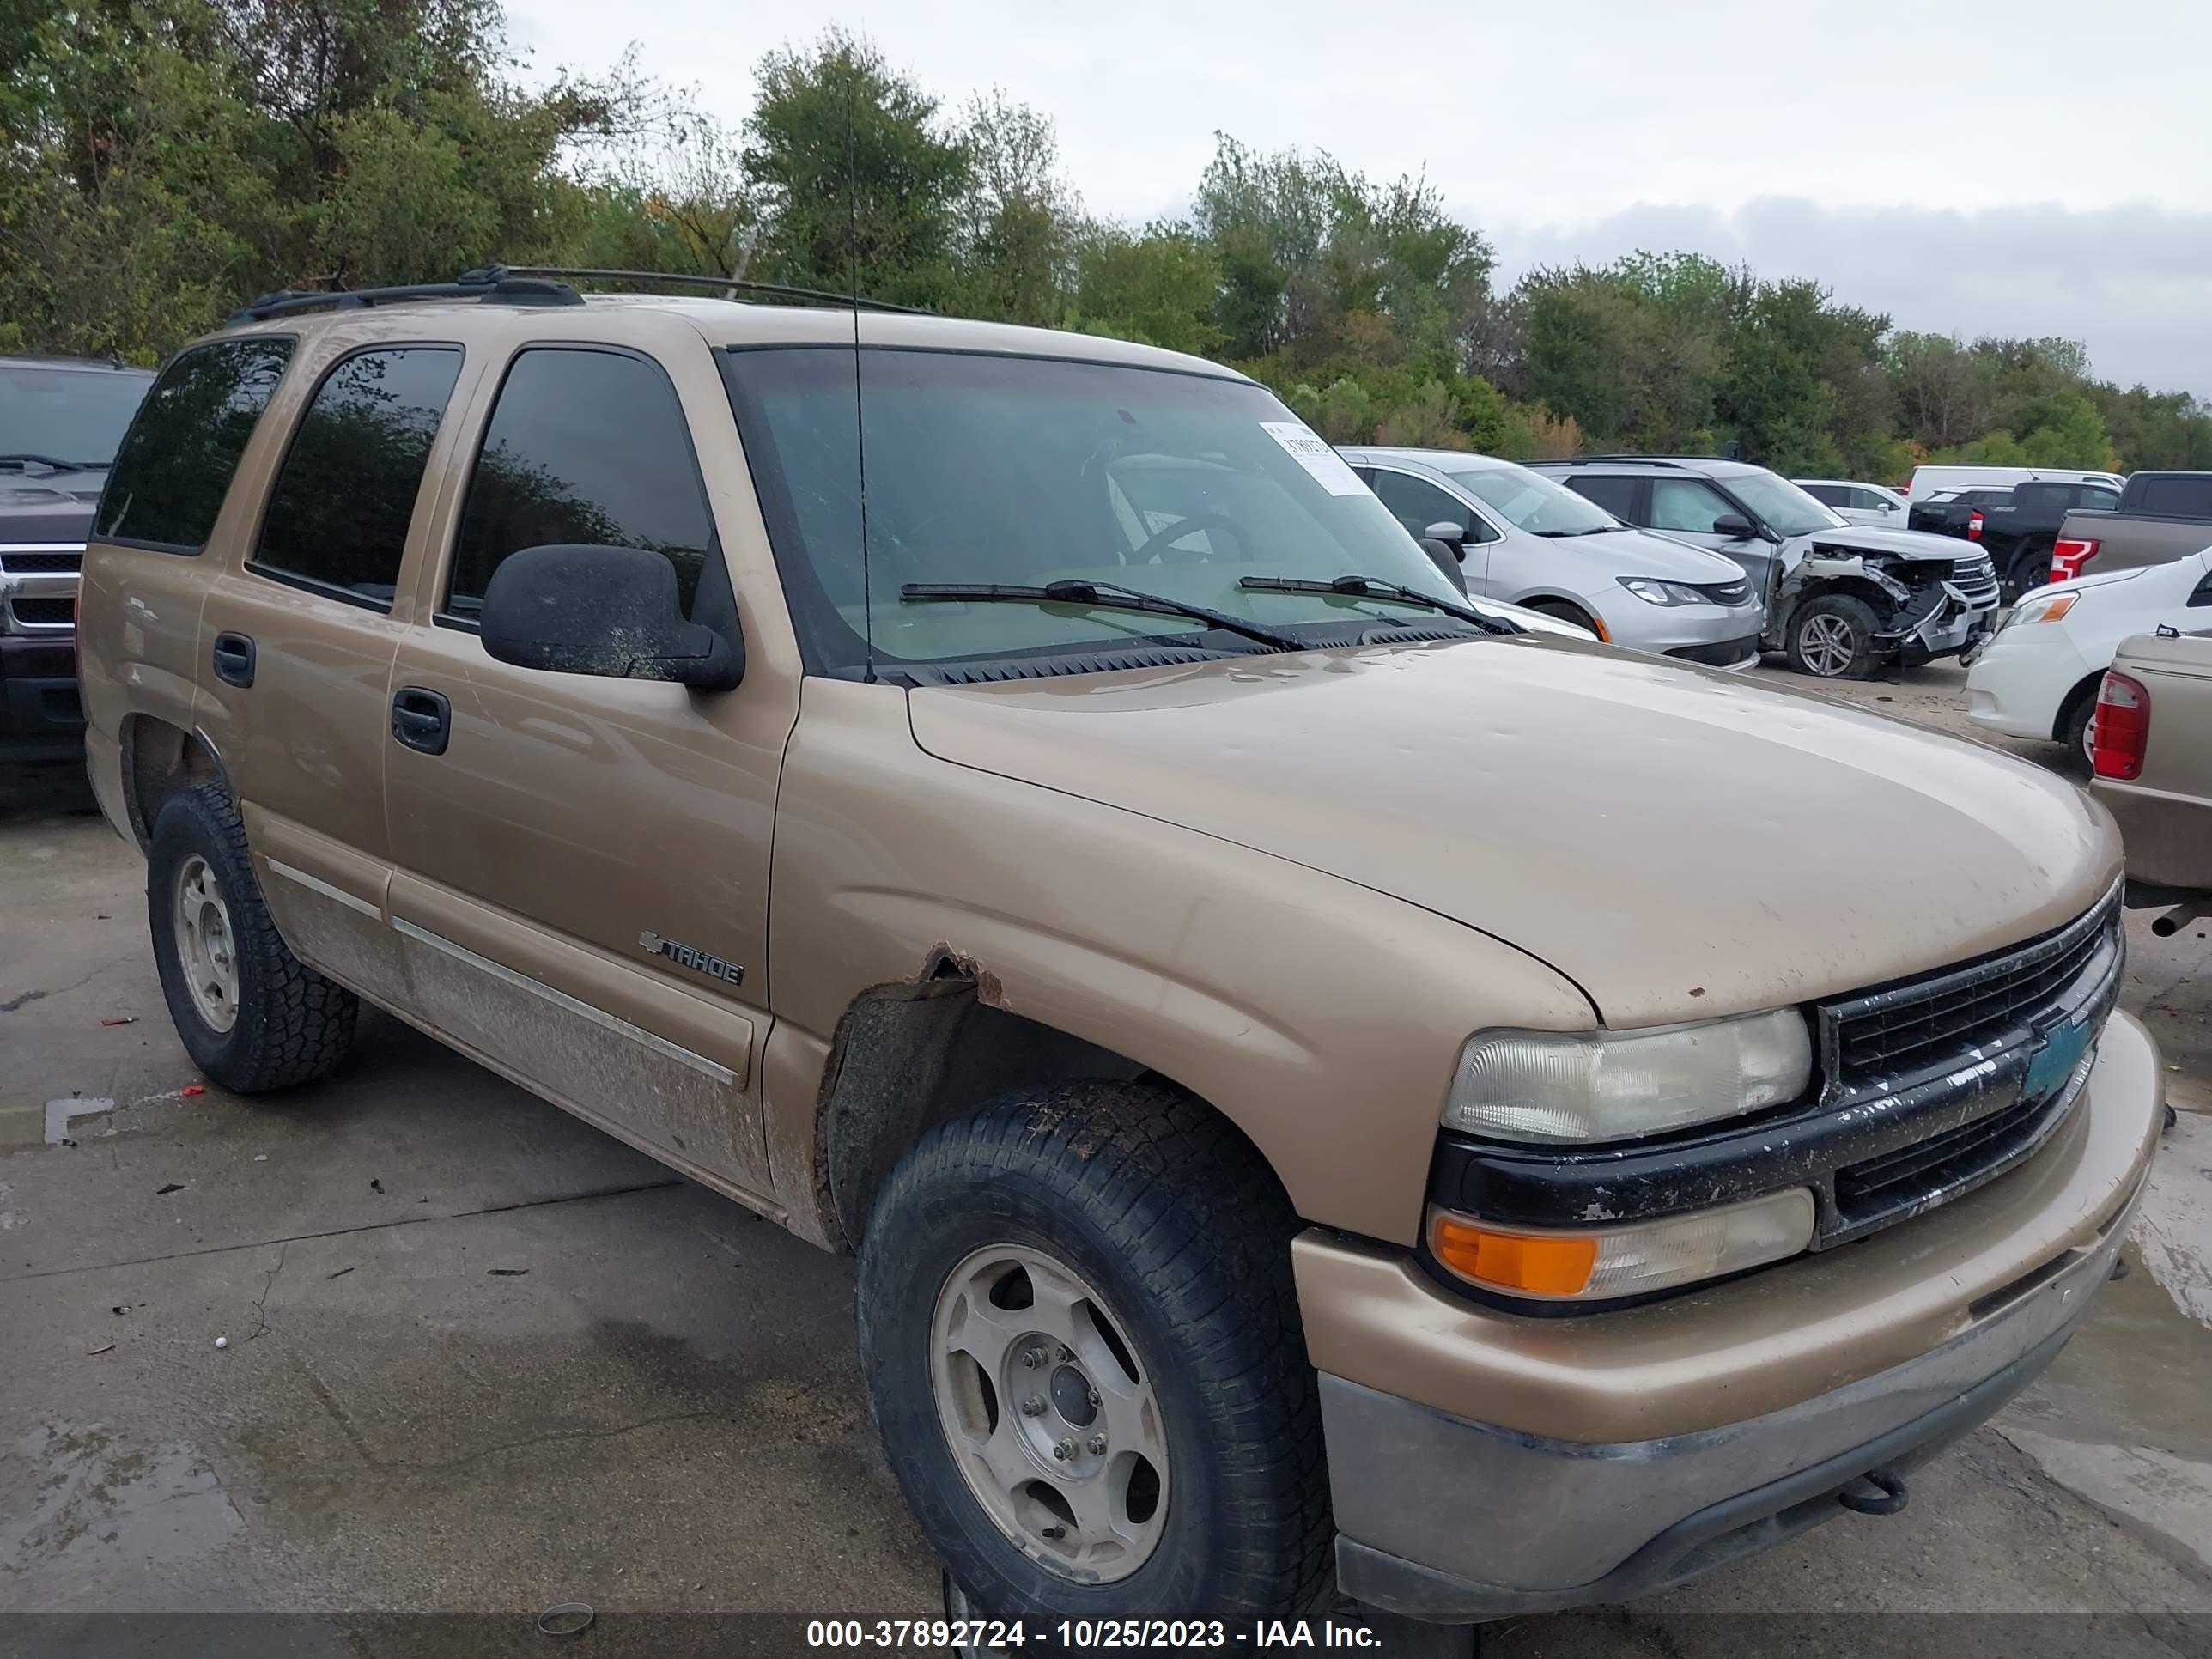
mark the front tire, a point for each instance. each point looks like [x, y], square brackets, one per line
[251, 1015]
[1083, 1347]
[1831, 637]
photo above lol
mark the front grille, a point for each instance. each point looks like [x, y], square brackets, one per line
[1725, 654]
[1735, 592]
[1978, 581]
[1937, 1020]
[1944, 1166]
[42, 612]
[43, 562]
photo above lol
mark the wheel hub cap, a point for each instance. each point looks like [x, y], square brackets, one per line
[1827, 644]
[1049, 1415]
[207, 950]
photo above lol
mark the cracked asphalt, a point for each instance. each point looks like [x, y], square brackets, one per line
[477, 1357]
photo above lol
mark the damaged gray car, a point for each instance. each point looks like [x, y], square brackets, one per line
[1844, 601]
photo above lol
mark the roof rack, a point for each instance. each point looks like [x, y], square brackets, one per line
[485, 283]
[1642, 460]
[531, 285]
[728, 287]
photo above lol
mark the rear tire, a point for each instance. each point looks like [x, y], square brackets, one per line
[1092, 1208]
[251, 1015]
[1831, 637]
[2030, 570]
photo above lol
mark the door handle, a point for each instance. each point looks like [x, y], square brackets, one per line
[233, 658]
[421, 718]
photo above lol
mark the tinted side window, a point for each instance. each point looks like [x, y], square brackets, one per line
[587, 447]
[1417, 504]
[2093, 496]
[1616, 495]
[1687, 504]
[175, 465]
[338, 513]
[2041, 494]
[2187, 498]
[1832, 495]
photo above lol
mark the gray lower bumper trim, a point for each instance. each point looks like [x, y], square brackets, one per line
[1738, 1526]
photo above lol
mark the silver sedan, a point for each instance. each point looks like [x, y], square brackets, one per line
[1522, 538]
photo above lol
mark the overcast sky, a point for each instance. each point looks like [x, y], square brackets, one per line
[2030, 168]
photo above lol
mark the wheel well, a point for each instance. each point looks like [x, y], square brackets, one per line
[1587, 617]
[1852, 587]
[911, 1055]
[2086, 688]
[158, 760]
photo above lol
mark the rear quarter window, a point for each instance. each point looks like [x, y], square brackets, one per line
[175, 465]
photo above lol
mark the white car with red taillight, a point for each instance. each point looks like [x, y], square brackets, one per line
[2037, 676]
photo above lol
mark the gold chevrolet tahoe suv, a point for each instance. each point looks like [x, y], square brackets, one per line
[1325, 1086]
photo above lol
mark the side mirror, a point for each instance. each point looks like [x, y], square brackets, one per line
[1734, 527]
[1446, 557]
[612, 612]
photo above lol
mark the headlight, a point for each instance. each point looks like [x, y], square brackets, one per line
[1615, 1085]
[1592, 1265]
[1652, 591]
[2049, 608]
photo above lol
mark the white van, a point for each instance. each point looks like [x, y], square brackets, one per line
[1928, 480]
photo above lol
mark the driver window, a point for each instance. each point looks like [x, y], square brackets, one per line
[1417, 505]
[1687, 504]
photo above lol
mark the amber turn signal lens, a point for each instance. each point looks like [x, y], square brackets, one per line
[1544, 1265]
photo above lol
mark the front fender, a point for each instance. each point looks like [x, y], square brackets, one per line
[1320, 1017]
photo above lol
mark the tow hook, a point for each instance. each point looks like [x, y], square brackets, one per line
[1887, 1497]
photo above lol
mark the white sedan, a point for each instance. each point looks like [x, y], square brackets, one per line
[2037, 676]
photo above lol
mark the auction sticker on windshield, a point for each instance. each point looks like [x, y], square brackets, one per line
[1311, 451]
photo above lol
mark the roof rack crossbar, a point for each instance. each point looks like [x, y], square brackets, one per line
[486, 283]
[729, 287]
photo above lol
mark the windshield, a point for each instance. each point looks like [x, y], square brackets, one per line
[1781, 506]
[1532, 502]
[988, 468]
[73, 414]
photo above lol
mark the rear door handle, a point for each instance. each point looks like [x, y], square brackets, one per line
[233, 660]
[421, 718]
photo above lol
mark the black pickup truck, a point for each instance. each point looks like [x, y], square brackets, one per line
[2019, 531]
[61, 419]
[1947, 512]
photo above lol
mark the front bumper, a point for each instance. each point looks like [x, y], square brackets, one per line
[40, 715]
[1484, 1463]
[1720, 637]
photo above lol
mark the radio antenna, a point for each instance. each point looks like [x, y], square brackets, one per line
[859, 423]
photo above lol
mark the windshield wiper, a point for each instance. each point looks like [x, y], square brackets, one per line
[1110, 595]
[1594, 530]
[51, 463]
[1370, 587]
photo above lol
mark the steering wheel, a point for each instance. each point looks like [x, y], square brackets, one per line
[1157, 541]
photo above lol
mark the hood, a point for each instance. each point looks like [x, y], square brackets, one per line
[1677, 841]
[45, 510]
[1902, 544]
[1646, 553]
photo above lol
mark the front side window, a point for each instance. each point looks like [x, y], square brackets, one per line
[988, 468]
[175, 465]
[338, 513]
[1689, 505]
[1417, 504]
[585, 447]
[2104, 499]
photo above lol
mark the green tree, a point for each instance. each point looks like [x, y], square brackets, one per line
[857, 183]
